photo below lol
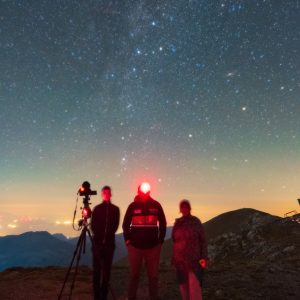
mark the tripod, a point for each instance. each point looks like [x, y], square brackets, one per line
[80, 248]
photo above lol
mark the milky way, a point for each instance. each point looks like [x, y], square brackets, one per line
[201, 98]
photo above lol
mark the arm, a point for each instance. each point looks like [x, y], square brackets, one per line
[203, 242]
[162, 224]
[173, 231]
[127, 223]
[94, 220]
[117, 220]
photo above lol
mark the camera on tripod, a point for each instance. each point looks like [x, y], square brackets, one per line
[85, 191]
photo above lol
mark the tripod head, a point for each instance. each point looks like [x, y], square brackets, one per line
[86, 212]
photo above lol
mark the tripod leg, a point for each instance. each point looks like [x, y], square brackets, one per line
[90, 236]
[82, 241]
[70, 267]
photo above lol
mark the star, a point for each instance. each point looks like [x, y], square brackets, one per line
[174, 91]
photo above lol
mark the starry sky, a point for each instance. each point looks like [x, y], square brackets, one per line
[200, 98]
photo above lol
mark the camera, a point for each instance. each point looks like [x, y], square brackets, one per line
[85, 190]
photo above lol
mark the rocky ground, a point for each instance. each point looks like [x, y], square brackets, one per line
[256, 280]
[45, 283]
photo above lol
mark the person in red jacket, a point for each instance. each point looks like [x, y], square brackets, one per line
[189, 252]
[144, 230]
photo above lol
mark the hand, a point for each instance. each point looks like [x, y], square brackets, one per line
[203, 263]
[127, 242]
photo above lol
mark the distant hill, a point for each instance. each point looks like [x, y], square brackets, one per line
[120, 251]
[41, 249]
[228, 221]
[33, 249]
[61, 237]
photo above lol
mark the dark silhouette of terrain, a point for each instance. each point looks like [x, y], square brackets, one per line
[41, 249]
[254, 255]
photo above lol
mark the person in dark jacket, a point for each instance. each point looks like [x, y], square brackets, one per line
[144, 238]
[104, 224]
[189, 252]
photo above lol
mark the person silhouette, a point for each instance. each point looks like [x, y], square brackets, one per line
[104, 224]
[190, 255]
[144, 238]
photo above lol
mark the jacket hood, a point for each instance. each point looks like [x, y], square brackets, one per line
[137, 198]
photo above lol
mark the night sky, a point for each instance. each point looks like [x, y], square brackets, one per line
[200, 98]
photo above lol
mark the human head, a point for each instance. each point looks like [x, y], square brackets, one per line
[106, 193]
[185, 207]
[144, 191]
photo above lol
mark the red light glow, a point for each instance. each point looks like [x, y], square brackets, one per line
[85, 212]
[145, 187]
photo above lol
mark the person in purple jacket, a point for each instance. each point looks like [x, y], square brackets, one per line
[190, 255]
